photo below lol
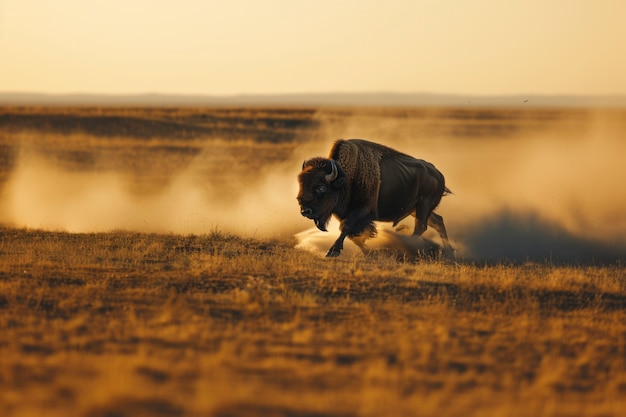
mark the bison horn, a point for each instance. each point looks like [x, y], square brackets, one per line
[333, 174]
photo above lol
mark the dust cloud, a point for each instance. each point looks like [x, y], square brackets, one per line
[41, 194]
[535, 191]
[524, 189]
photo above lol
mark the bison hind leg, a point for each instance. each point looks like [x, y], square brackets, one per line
[436, 222]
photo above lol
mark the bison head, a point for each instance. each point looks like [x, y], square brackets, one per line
[321, 185]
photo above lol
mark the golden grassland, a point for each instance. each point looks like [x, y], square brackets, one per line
[138, 324]
[134, 324]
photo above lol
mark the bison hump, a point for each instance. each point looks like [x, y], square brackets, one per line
[360, 162]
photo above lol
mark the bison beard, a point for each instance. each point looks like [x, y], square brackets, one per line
[362, 182]
[322, 223]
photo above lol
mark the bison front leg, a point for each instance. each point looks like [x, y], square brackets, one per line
[335, 250]
[353, 225]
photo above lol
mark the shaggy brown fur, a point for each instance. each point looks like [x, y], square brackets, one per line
[361, 165]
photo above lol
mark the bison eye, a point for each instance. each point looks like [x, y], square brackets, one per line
[320, 190]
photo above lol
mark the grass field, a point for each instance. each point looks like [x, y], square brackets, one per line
[225, 318]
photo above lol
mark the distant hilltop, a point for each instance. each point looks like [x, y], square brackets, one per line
[322, 99]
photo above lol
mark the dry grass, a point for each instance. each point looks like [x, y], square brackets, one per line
[136, 324]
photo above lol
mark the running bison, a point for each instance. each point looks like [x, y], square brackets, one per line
[362, 182]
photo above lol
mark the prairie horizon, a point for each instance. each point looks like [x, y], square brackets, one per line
[343, 99]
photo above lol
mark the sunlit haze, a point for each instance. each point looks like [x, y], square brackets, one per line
[278, 46]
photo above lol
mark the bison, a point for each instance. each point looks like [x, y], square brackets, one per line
[362, 182]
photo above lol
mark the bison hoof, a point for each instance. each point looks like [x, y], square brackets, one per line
[333, 252]
[448, 252]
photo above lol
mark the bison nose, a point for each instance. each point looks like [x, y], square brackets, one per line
[306, 212]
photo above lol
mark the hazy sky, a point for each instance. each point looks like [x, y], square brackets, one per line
[292, 46]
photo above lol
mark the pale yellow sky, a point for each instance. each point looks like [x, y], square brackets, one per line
[291, 46]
